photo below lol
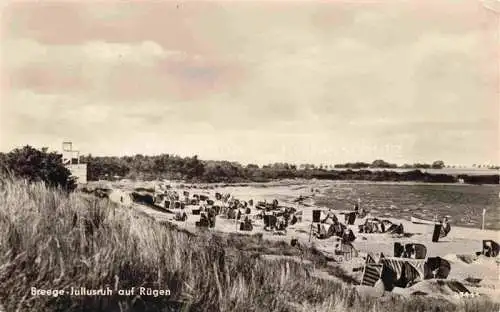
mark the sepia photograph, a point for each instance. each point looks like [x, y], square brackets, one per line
[250, 155]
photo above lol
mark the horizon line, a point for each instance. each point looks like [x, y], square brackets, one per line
[260, 164]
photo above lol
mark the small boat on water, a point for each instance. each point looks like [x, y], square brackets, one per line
[422, 221]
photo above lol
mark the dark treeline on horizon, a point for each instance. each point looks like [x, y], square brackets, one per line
[173, 167]
[193, 169]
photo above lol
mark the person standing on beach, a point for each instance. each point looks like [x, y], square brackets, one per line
[445, 227]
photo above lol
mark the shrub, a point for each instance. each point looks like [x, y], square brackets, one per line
[38, 165]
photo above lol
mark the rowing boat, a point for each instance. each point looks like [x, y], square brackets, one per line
[422, 221]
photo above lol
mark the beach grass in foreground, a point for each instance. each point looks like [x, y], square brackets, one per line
[50, 240]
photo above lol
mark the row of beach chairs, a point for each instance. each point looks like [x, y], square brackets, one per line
[410, 264]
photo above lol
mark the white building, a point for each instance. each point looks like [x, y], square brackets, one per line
[71, 160]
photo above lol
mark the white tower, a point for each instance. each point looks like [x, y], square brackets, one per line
[69, 154]
[71, 160]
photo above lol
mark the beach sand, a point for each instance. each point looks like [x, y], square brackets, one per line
[460, 241]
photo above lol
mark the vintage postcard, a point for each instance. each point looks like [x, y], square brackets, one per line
[271, 155]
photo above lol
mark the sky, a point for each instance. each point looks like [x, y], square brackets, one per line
[255, 81]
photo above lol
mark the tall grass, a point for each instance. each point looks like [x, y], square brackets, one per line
[51, 240]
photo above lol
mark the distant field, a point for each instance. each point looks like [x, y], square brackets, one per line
[449, 171]
[463, 202]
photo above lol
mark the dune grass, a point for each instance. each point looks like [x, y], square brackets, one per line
[51, 240]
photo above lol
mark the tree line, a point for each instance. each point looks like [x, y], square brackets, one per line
[41, 165]
[380, 163]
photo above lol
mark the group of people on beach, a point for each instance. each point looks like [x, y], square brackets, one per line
[336, 228]
[276, 218]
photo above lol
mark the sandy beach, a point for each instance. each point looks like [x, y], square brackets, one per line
[458, 247]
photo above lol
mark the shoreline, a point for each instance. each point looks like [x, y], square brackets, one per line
[291, 188]
[286, 182]
[461, 243]
[307, 210]
[353, 182]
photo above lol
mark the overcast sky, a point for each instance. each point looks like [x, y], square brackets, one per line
[318, 82]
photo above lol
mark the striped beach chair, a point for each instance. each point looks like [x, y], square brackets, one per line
[407, 271]
[372, 258]
[372, 272]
